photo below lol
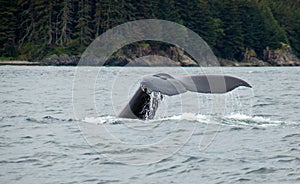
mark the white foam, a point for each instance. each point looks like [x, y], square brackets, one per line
[187, 116]
[253, 120]
[99, 120]
[229, 120]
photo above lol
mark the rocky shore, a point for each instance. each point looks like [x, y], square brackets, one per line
[20, 63]
[278, 57]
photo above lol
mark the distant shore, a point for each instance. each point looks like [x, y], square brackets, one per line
[66, 61]
[20, 63]
[222, 64]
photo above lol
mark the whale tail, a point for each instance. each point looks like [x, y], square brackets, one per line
[212, 83]
[143, 106]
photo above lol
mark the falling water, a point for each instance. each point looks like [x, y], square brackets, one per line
[151, 107]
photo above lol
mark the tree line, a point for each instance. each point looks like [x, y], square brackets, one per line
[35, 29]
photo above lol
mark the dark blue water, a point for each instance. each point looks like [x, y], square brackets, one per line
[52, 131]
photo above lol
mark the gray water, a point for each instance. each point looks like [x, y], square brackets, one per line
[53, 132]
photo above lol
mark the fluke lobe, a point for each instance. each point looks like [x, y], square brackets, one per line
[145, 101]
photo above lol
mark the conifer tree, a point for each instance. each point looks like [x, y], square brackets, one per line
[8, 28]
[274, 34]
[33, 29]
[65, 23]
[229, 45]
[84, 25]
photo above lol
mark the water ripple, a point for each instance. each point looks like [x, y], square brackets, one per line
[262, 170]
[40, 141]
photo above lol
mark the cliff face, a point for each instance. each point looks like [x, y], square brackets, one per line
[278, 57]
[281, 57]
[170, 56]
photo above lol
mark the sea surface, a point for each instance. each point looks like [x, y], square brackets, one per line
[59, 125]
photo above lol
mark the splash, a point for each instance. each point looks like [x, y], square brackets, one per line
[252, 121]
[102, 120]
[232, 120]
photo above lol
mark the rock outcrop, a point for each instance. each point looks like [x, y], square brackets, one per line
[61, 60]
[281, 57]
[141, 56]
[278, 57]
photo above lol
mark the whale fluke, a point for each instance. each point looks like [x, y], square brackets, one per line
[212, 83]
[145, 101]
[163, 83]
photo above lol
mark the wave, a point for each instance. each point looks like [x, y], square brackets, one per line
[236, 120]
[253, 121]
[47, 120]
[104, 120]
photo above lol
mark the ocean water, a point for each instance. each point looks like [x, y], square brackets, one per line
[59, 125]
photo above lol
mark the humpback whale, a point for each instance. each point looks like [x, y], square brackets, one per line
[145, 101]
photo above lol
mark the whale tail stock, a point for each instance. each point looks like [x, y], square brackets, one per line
[144, 102]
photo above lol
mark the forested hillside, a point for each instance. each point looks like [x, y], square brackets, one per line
[35, 29]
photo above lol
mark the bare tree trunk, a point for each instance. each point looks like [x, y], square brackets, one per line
[64, 37]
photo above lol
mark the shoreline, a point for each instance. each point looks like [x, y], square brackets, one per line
[222, 64]
[21, 63]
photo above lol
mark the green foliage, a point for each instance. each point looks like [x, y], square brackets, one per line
[3, 58]
[8, 28]
[230, 44]
[287, 13]
[273, 32]
[34, 29]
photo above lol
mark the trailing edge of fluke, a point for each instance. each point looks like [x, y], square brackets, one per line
[141, 105]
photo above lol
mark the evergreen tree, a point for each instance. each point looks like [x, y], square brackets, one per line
[8, 28]
[287, 13]
[84, 25]
[65, 23]
[167, 11]
[252, 27]
[33, 29]
[274, 34]
[28, 30]
[145, 9]
[230, 44]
